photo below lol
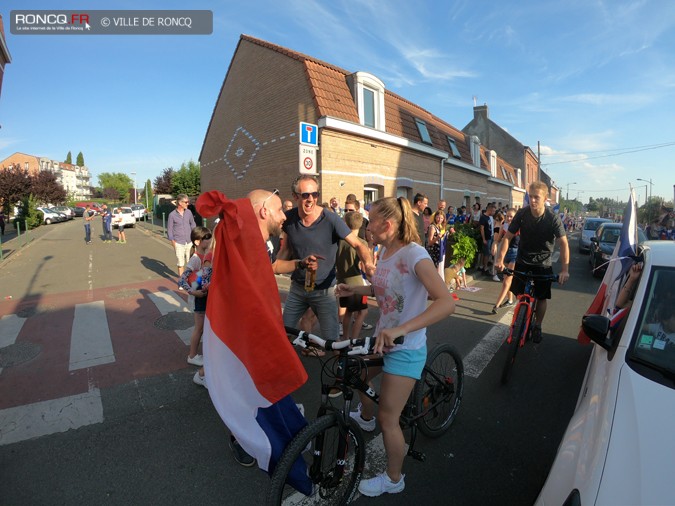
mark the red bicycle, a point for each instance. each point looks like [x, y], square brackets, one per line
[524, 317]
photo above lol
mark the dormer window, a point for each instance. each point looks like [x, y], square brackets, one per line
[453, 148]
[370, 100]
[424, 133]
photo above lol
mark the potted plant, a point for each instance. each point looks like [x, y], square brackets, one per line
[463, 246]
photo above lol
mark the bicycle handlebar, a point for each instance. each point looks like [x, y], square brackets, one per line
[543, 277]
[360, 346]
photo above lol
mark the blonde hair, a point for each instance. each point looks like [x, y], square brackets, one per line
[538, 186]
[354, 220]
[398, 210]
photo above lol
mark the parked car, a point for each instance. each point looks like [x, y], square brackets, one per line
[588, 231]
[618, 447]
[94, 206]
[603, 243]
[128, 219]
[65, 210]
[79, 211]
[50, 216]
[139, 211]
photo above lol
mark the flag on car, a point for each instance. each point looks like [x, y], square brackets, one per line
[618, 265]
[249, 363]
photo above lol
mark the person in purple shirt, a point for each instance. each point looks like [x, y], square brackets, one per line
[179, 227]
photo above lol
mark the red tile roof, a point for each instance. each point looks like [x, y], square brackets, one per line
[332, 97]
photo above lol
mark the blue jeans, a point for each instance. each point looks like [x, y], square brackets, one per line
[107, 233]
[322, 302]
[87, 232]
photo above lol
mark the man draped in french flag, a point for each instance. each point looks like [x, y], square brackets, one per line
[249, 363]
[623, 257]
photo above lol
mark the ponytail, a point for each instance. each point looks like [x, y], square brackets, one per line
[399, 211]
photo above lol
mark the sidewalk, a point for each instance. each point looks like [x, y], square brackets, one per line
[12, 244]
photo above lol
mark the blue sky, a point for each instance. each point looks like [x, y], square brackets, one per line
[592, 81]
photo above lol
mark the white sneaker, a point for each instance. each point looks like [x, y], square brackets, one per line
[495, 278]
[381, 484]
[197, 360]
[366, 425]
[199, 380]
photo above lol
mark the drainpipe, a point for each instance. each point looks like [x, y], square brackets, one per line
[440, 192]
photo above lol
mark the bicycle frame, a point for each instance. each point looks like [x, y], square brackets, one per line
[528, 303]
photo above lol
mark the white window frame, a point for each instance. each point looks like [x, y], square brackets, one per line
[373, 84]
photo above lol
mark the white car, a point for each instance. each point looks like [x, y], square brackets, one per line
[128, 219]
[619, 446]
[50, 216]
[138, 210]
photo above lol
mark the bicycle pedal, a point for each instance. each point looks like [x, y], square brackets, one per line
[418, 456]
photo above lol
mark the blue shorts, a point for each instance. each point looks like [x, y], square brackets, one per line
[406, 362]
[487, 247]
[511, 255]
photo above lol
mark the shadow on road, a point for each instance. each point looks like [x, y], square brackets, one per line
[158, 267]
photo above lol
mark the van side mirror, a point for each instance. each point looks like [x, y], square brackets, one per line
[596, 328]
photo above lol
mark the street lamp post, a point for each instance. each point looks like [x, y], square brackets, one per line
[567, 193]
[134, 176]
[649, 214]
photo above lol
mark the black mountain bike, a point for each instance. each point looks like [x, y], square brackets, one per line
[333, 446]
[524, 317]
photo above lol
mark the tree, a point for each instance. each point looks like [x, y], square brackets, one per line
[14, 186]
[163, 182]
[110, 194]
[69, 158]
[80, 159]
[46, 189]
[187, 179]
[147, 194]
[592, 205]
[117, 181]
[28, 217]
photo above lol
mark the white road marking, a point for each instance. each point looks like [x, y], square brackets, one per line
[49, 417]
[167, 302]
[480, 356]
[10, 326]
[90, 342]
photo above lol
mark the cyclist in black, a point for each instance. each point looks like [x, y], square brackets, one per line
[539, 227]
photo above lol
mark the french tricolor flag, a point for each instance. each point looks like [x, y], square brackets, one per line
[251, 367]
[619, 263]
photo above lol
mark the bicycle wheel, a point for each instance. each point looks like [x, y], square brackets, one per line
[438, 392]
[516, 332]
[335, 477]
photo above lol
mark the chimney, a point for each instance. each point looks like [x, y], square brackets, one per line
[480, 112]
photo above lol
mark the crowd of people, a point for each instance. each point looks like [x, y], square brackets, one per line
[340, 255]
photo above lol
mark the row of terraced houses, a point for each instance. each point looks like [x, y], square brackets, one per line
[371, 141]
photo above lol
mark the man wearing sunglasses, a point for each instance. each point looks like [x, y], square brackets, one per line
[310, 230]
[178, 228]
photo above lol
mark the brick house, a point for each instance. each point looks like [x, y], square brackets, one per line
[494, 137]
[372, 142]
[5, 57]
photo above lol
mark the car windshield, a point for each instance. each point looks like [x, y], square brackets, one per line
[592, 224]
[653, 346]
[611, 235]
[126, 210]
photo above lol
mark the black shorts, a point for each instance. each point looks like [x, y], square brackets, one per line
[200, 304]
[354, 303]
[542, 289]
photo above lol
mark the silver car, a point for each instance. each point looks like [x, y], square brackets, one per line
[590, 226]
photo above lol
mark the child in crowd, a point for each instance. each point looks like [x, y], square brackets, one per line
[348, 271]
[195, 281]
[456, 273]
[404, 280]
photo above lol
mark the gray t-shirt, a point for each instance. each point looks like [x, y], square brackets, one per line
[320, 238]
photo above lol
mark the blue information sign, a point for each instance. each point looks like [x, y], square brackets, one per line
[309, 134]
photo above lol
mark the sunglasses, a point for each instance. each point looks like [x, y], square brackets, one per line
[275, 192]
[305, 195]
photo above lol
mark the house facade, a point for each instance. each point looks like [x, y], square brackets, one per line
[5, 57]
[74, 179]
[512, 151]
[371, 142]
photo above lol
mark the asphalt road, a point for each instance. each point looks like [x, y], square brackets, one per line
[158, 439]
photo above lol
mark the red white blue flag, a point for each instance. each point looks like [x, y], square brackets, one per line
[617, 267]
[250, 366]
